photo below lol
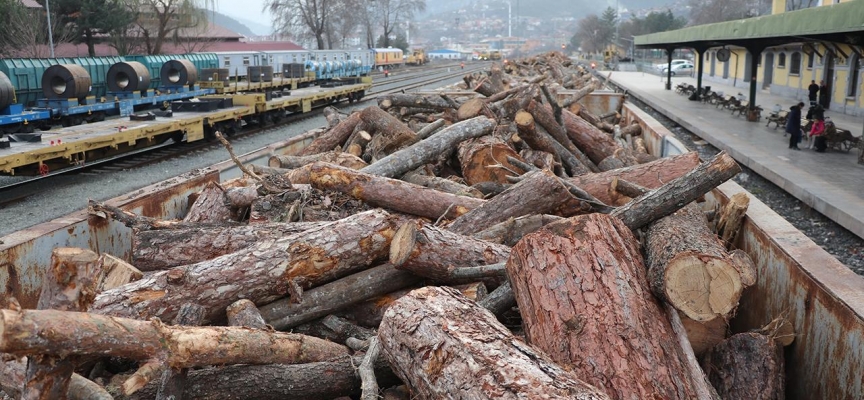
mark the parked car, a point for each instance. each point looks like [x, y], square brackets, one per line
[663, 66]
[680, 69]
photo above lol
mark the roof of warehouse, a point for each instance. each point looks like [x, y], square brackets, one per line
[841, 23]
[443, 51]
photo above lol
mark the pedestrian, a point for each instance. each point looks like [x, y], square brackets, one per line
[814, 91]
[824, 95]
[793, 125]
[462, 65]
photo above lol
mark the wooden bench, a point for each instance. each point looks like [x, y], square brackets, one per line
[835, 138]
[778, 118]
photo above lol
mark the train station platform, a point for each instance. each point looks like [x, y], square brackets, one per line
[831, 182]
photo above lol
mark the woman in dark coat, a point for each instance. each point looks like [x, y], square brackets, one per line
[793, 125]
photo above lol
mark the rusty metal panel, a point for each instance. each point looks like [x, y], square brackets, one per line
[601, 102]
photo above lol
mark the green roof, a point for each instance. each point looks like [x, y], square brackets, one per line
[839, 23]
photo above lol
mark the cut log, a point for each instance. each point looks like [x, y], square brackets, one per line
[676, 194]
[333, 157]
[471, 108]
[490, 189]
[500, 300]
[540, 140]
[70, 285]
[436, 103]
[430, 148]
[510, 231]
[579, 279]
[393, 194]
[731, 218]
[117, 273]
[433, 252]
[356, 144]
[705, 334]
[326, 299]
[485, 160]
[540, 192]
[628, 188]
[540, 159]
[430, 129]
[441, 184]
[389, 134]
[650, 176]
[332, 138]
[164, 249]
[62, 333]
[174, 380]
[258, 273]
[596, 144]
[747, 366]
[544, 116]
[244, 313]
[701, 384]
[742, 262]
[80, 388]
[441, 343]
[210, 206]
[238, 197]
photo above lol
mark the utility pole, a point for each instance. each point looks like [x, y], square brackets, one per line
[50, 33]
[509, 20]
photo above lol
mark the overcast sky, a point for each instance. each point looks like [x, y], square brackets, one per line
[246, 9]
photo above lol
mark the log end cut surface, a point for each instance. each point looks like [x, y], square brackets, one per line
[703, 288]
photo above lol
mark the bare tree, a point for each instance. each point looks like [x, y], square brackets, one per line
[24, 31]
[711, 11]
[295, 18]
[344, 22]
[158, 20]
[390, 13]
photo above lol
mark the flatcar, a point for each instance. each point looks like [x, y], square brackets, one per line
[388, 58]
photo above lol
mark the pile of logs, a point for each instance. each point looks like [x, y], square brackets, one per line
[432, 246]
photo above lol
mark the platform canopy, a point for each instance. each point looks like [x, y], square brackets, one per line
[838, 23]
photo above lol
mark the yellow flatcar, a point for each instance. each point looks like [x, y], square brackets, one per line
[388, 58]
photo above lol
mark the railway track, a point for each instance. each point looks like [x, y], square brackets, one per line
[17, 189]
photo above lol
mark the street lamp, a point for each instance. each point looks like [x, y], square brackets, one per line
[50, 34]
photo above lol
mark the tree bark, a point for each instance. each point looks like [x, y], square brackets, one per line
[540, 140]
[747, 366]
[80, 388]
[499, 300]
[174, 380]
[388, 133]
[244, 313]
[318, 302]
[485, 160]
[543, 114]
[393, 194]
[446, 346]
[433, 252]
[442, 184]
[688, 266]
[731, 218]
[258, 273]
[596, 144]
[650, 176]
[436, 103]
[513, 229]
[578, 280]
[164, 249]
[672, 196]
[333, 157]
[539, 192]
[430, 148]
[332, 138]
[210, 206]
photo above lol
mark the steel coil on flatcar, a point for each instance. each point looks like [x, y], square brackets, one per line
[129, 76]
[7, 91]
[178, 73]
[66, 81]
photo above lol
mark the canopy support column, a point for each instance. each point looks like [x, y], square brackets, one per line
[669, 51]
[755, 53]
[699, 68]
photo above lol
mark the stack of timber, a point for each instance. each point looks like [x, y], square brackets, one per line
[427, 247]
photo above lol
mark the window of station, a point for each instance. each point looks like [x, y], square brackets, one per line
[810, 59]
[795, 63]
[854, 76]
[781, 60]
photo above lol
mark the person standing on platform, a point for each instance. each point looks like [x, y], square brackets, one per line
[814, 92]
[824, 95]
[793, 125]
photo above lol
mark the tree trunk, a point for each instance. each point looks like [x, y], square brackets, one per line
[747, 366]
[316, 303]
[442, 184]
[672, 196]
[391, 193]
[732, 217]
[413, 100]
[433, 252]
[578, 280]
[332, 138]
[650, 176]
[688, 266]
[446, 346]
[485, 160]
[334, 157]
[389, 134]
[596, 144]
[513, 229]
[543, 114]
[174, 379]
[164, 249]
[244, 313]
[539, 192]
[210, 206]
[430, 148]
[540, 140]
[258, 273]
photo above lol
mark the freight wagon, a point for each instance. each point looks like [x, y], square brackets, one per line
[821, 297]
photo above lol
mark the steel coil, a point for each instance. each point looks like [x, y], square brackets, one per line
[130, 76]
[215, 74]
[178, 73]
[7, 91]
[66, 81]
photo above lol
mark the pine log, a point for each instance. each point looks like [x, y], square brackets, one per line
[610, 163]
[442, 184]
[71, 284]
[434, 253]
[63, 333]
[596, 144]
[540, 159]
[80, 388]
[430, 129]
[210, 206]
[650, 176]
[393, 194]
[333, 116]
[436, 103]
[731, 218]
[164, 249]
[444, 345]
[333, 137]
[633, 129]
[430, 148]
[356, 144]
[742, 263]
[578, 280]
[244, 313]
[700, 381]
[326, 299]
[174, 380]
[490, 189]
[241, 196]
[484, 159]
[333, 157]
[672, 196]
[703, 335]
[540, 192]
[258, 273]
[500, 300]
[540, 140]
[389, 134]
[513, 229]
[544, 116]
[117, 273]
[470, 109]
[747, 366]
